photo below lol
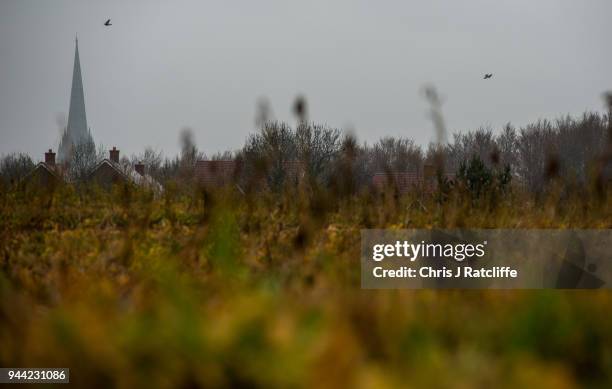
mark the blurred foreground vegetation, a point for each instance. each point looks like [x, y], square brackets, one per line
[200, 289]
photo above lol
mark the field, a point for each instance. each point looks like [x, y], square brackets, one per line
[219, 290]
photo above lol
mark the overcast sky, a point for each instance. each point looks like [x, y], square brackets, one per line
[165, 65]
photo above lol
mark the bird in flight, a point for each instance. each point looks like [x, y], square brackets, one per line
[108, 23]
[487, 76]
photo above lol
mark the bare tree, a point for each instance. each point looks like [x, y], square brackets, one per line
[266, 153]
[396, 154]
[536, 146]
[479, 143]
[317, 146]
[507, 144]
[82, 158]
[15, 166]
[222, 156]
[152, 159]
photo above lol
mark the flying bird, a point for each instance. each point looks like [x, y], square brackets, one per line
[488, 75]
[108, 23]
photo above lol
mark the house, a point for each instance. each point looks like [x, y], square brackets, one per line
[216, 174]
[106, 173]
[45, 173]
[405, 182]
[220, 173]
[295, 171]
[111, 172]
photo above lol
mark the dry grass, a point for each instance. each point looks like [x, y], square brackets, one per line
[223, 291]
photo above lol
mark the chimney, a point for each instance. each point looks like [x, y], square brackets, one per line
[114, 155]
[50, 158]
[429, 172]
[140, 168]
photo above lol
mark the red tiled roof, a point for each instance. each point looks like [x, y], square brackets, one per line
[294, 170]
[403, 182]
[223, 172]
[406, 181]
[215, 173]
[44, 168]
[52, 169]
[126, 174]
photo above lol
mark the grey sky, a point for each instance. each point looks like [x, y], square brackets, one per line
[164, 65]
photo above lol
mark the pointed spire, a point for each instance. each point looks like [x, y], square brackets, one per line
[77, 130]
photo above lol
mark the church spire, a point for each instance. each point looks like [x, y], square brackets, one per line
[77, 130]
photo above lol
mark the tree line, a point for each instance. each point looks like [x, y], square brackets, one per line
[569, 147]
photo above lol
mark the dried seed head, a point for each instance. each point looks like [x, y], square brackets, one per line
[300, 108]
[495, 156]
[608, 100]
[552, 167]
